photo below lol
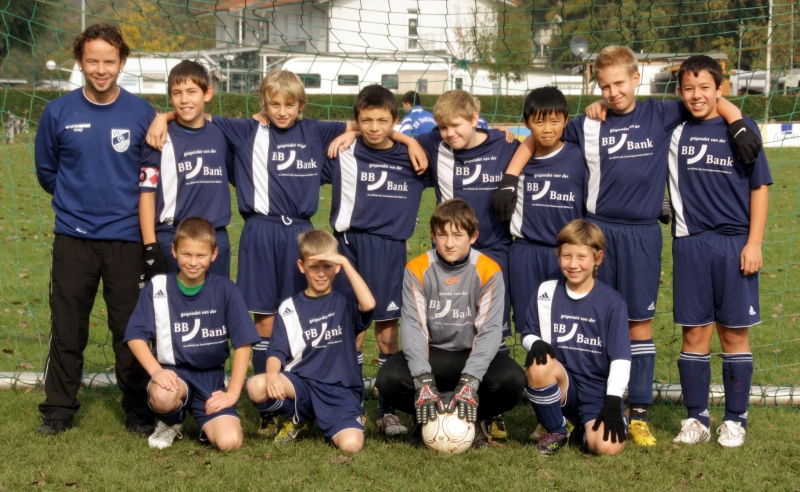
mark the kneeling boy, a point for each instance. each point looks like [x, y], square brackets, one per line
[579, 353]
[189, 317]
[312, 366]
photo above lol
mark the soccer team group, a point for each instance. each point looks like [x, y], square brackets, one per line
[561, 229]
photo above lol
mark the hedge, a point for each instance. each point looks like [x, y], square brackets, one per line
[497, 109]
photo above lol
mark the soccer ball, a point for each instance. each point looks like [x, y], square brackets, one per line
[448, 434]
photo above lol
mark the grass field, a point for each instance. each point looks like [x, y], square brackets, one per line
[99, 455]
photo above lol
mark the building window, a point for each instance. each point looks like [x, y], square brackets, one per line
[391, 81]
[311, 80]
[240, 30]
[422, 86]
[459, 84]
[413, 33]
[348, 80]
[263, 31]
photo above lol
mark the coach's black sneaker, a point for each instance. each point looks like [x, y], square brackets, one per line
[551, 443]
[144, 425]
[52, 427]
[416, 434]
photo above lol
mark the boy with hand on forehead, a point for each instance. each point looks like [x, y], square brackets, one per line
[312, 370]
[188, 177]
[721, 207]
[626, 156]
[189, 318]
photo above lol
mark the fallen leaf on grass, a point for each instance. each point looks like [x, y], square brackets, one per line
[181, 472]
[112, 438]
[71, 484]
[548, 474]
[268, 456]
[26, 365]
[8, 351]
[23, 275]
[341, 460]
[701, 477]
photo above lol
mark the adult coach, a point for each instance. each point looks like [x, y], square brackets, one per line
[87, 156]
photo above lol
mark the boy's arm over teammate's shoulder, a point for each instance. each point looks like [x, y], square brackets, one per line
[46, 151]
[488, 318]
[236, 130]
[415, 333]
[148, 184]
[573, 132]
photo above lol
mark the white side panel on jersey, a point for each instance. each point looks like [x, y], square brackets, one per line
[674, 185]
[169, 182]
[591, 138]
[166, 355]
[261, 171]
[516, 218]
[445, 167]
[544, 306]
[294, 332]
[347, 200]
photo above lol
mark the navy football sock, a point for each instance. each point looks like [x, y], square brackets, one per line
[737, 375]
[640, 385]
[284, 408]
[695, 373]
[546, 402]
[383, 407]
[504, 348]
[172, 418]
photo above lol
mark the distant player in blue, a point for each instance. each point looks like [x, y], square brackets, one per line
[376, 197]
[626, 155]
[312, 366]
[579, 350]
[188, 319]
[188, 178]
[721, 208]
[482, 123]
[417, 121]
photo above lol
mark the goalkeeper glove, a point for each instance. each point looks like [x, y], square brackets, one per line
[538, 353]
[426, 398]
[154, 262]
[504, 200]
[745, 142]
[611, 416]
[666, 211]
[465, 397]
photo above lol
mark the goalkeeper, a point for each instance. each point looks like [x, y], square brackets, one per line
[452, 325]
[579, 352]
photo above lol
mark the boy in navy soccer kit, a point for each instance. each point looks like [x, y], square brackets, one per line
[189, 318]
[721, 208]
[376, 197]
[188, 177]
[579, 351]
[417, 121]
[626, 158]
[312, 366]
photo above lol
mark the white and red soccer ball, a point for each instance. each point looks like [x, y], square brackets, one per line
[448, 434]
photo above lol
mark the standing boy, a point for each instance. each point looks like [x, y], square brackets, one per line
[87, 156]
[312, 367]
[579, 352]
[188, 177]
[417, 121]
[452, 330]
[721, 210]
[376, 197]
[188, 318]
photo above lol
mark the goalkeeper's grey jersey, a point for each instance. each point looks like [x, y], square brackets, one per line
[452, 307]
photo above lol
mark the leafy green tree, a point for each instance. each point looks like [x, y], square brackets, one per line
[23, 21]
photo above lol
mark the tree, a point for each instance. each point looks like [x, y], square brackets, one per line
[23, 22]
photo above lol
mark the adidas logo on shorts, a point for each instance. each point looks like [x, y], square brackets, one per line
[752, 311]
[392, 307]
[544, 297]
[652, 306]
[159, 295]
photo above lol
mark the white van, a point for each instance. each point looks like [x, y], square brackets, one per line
[139, 76]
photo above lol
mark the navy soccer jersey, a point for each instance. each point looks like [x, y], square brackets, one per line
[88, 157]
[278, 171]
[189, 176]
[550, 194]
[474, 175]
[417, 121]
[375, 191]
[315, 338]
[709, 186]
[627, 158]
[587, 333]
[191, 331]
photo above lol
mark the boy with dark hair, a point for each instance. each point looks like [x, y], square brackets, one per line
[371, 177]
[579, 351]
[417, 121]
[188, 177]
[721, 208]
[88, 151]
[626, 156]
[312, 367]
[452, 330]
[188, 317]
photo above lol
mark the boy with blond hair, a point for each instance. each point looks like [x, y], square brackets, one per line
[312, 370]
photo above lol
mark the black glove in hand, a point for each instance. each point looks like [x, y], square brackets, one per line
[745, 142]
[154, 262]
[465, 397]
[504, 200]
[538, 353]
[666, 211]
[611, 416]
[426, 398]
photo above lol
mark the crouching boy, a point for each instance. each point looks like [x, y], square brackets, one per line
[312, 366]
[189, 317]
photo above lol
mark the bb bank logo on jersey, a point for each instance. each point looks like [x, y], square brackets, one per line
[195, 169]
[120, 139]
[441, 312]
[694, 158]
[618, 142]
[537, 193]
[190, 333]
[377, 183]
[565, 336]
[285, 162]
[316, 336]
[476, 175]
